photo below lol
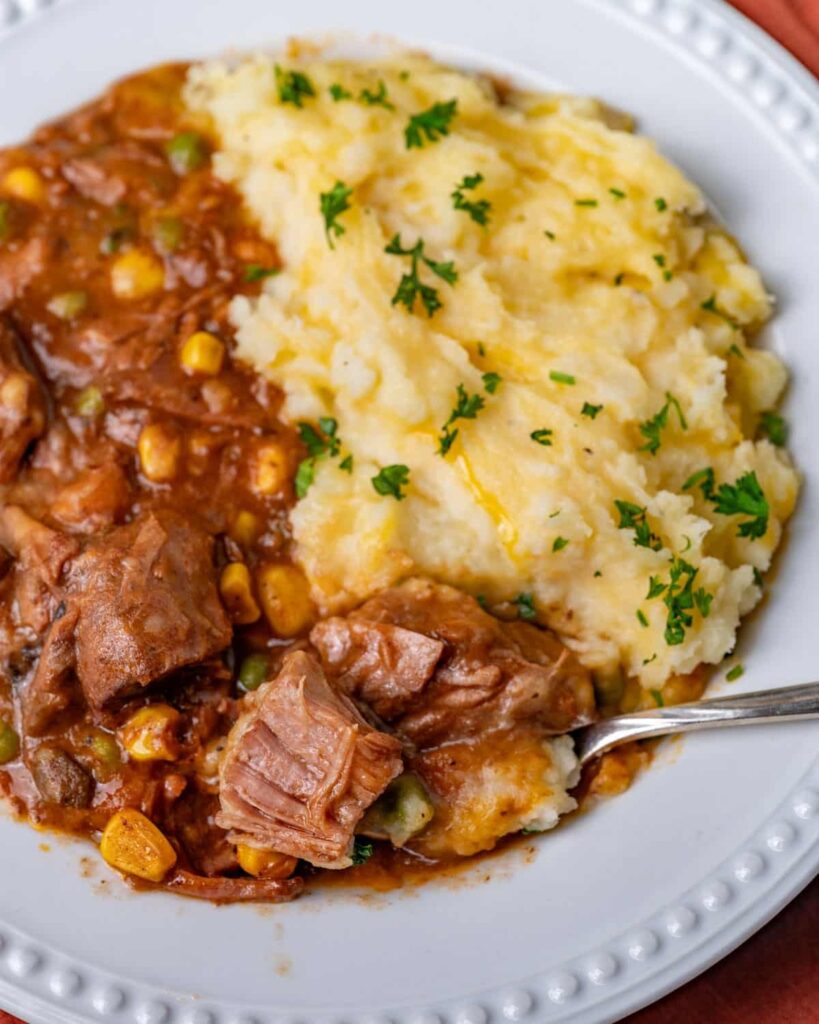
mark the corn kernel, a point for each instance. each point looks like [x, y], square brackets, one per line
[246, 528]
[158, 453]
[89, 402]
[67, 305]
[133, 844]
[270, 468]
[265, 863]
[285, 597]
[150, 733]
[202, 353]
[9, 742]
[136, 274]
[25, 183]
[237, 594]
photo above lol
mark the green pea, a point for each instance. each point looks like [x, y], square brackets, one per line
[186, 151]
[67, 305]
[253, 671]
[89, 402]
[168, 233]
[9, 743]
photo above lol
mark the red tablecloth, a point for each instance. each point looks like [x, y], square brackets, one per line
[774, 977]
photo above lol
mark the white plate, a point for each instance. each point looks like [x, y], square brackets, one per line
[624, 903]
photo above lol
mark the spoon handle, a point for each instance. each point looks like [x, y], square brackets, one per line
[789, 702]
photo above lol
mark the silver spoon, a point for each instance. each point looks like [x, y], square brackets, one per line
[790, 702]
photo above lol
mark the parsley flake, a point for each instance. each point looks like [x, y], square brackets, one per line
[320, 443]
[651, 429]
[735, 673]
[679, 600]
[661, 204]
[561, 378]
[293, 86]
[256, 272]
[526, 606]
[744, 497]
[339, 93]
[363, 849]
[590, 410]
[656, 696]
[585, 202]
[410, 287]
[331, 205]
[774, 427]
[704, 479]
[346, 464]
[389, 481]
[641, 618]
[542, 436]
[710, 306]
[376, 99]
[478, 211]
[634, 517]
[618, 193]
[559, 543]
[467, 407]
[491, 382]
[655, 587]
[619, 279]
[430, 125]
[550, 235]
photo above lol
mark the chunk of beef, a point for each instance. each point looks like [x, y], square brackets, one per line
[97, 497]
[383, 665]
[51, 689]
[302, 766]
[22, 406]
[60, 779]
[19, 265]
[490, 674]
[218, 889]
[40, 555]
[147, 604]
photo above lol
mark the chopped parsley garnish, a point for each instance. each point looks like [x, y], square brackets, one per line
[704, 479]
[659, 259]
[257, 272]
[679, 600]
[477, 210]
[641, 618]
[735, 673]
[648, 661]
[346, 464]
[661, 204]
[482, 601]
[559, 543]
[526, 606]
[410, 287]
[745, 497]
[430, 125]
[773, 426]
[491, 382]
[618, 193]
[481, 349]
[542, 436]
[320, 443]
[710, 306]
[338, 92]
[657, 697]
[293, 86]
[585, 202]
[735, 350]
[363, 849]
[550, 235]
[590, 410]
[655, 587]
[467, 407]
[759, 579]
[702, 599]
[331, 205]
[619, 279]
[633, 517]
[376, 99]
[389, 481]
[652, 428]
[561, 378]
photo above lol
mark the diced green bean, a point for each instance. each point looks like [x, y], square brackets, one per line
[402, 811]
[67, 305]
[168, 233]
[253, 671]
[186, 151]
[9, 743]
[89, 402]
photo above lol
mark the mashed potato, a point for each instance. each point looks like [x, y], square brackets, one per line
[599, 318]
